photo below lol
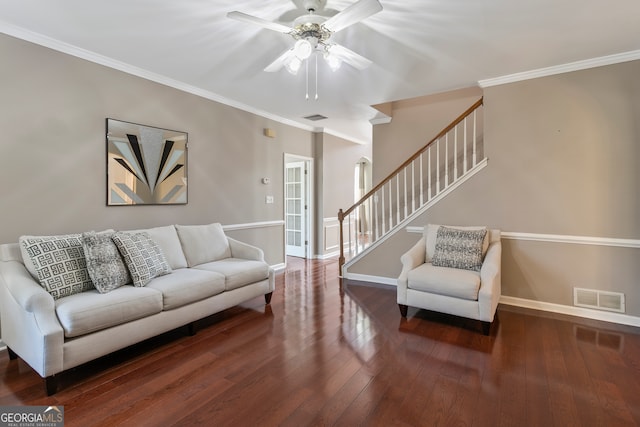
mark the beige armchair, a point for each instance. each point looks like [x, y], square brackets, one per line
[465, 280]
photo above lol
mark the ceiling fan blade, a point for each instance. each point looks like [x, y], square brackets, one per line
[243, 17]
[355, 13]
[348, 56]
[280, 61]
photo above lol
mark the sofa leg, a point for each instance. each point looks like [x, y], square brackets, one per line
[191, 328]
[486, 328]
[12, 354]
[267, 298]
[51, 383]
[403, 310]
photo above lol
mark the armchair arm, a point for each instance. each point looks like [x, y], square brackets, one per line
[410, 260]
[490, 282]
[244, 250]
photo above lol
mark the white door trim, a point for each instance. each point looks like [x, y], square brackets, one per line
[309, 194]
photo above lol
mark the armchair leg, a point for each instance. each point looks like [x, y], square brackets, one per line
[486, 328]
[267, 298]
[12, 354]
[403, 310]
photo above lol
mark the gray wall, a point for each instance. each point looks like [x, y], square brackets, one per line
[564, 159]
[52, 154]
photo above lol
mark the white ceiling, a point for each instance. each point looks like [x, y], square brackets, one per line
[418, 47]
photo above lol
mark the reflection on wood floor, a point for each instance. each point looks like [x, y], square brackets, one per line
[317, 356]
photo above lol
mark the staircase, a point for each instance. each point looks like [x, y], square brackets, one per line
[445, 162]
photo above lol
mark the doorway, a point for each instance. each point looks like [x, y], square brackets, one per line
[297, 197]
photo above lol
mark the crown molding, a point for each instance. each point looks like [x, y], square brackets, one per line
[69, 49]
[383, 120]
[560, 69]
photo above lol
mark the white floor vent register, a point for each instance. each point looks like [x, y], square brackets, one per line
[600, 300]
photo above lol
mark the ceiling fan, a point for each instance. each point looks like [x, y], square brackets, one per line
[312, 32]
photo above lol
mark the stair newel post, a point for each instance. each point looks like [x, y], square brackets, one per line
[341, 259]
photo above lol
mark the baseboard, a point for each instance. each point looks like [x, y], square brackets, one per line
[327, 255]
[392, 281]
[279, 267]
[623, 319]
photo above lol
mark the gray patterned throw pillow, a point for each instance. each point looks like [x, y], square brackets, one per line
[457, 248]
[59, 263]
[142, 255]
[104, 263]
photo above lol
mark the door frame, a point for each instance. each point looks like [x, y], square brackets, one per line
[309, 194]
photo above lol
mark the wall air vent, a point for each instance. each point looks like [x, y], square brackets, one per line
[315, 117]
[600, 300]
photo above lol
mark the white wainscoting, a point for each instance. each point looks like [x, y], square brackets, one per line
[330, 238]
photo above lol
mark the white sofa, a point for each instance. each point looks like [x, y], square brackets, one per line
[209, 272]
[456, 291]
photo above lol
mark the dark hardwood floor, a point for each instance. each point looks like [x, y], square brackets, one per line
[319, 357]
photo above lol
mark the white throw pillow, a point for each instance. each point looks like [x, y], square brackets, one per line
[203, 243]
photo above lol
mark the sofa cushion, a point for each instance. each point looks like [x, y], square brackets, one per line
[431, 234]
[238, 272]
[186, 285]
[203, 243]
[142, 255]
[58, 262]
[451, 282]
[104, 262]
[167, 238]
[457, 248]
[92, 311]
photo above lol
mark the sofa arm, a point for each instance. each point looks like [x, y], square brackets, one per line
[30, 326]
[410, 260]
[490, 282]
[244, 250]
[25, 290]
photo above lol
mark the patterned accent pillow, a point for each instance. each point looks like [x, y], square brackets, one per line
[104, 263]
[458, 248]
[59, 263]
[142, 255]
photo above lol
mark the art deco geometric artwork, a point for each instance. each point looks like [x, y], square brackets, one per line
[145, 165]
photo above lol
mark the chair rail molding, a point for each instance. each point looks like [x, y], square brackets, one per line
[559, 238]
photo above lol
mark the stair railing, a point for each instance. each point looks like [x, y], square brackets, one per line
[440, 163]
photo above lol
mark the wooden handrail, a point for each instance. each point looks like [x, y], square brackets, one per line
[343, 214]
[389, 177]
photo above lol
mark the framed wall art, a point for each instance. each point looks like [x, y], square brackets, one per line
[145, 165]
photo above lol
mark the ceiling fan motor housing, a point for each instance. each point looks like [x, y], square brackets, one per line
[310, 28]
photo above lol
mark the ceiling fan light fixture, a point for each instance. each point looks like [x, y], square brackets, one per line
[302, 49]
[333, 61]
[293, 65]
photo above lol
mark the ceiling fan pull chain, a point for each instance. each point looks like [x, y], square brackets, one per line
[316, 55]
[306, 64]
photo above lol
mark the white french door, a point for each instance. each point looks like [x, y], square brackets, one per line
[296, 209]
